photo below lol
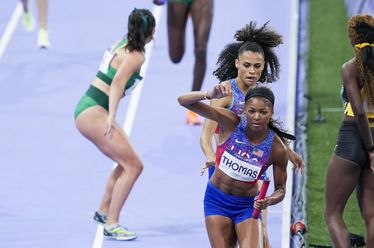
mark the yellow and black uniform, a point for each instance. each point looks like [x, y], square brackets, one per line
[350, 144]
[348, 108]
[106, 73]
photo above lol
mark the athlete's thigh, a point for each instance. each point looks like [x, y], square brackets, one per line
[202, 17]
[365, 193]
[177, 14]
[249, 233]
[341, 179]
[177, 20]
[120, 147]
[92, 124]
[221, 231]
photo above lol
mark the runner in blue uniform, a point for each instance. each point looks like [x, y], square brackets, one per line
[241, 65]
[247, 146]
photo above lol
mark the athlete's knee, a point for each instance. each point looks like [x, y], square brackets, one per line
[370, 223]
[137, 166]
[326, 218]
[331, 216]
[368, 217]
[132, 165]
[200, 53]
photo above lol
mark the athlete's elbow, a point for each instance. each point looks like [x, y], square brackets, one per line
[281, 193]
[203, 141]
[182, 101]
[204, 136]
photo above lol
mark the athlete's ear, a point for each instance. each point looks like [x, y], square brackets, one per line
[237, 63]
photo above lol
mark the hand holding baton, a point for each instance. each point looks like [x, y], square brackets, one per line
[261, 195]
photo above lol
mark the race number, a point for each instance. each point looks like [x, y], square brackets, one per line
[105, 61]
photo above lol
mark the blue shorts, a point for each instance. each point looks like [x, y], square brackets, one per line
[211, 170]
[237, 208]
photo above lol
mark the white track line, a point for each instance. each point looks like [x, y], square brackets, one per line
[12, 24]
[135, 95]
[132, 108]
[292, 77]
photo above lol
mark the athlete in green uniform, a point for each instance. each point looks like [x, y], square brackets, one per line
[95, 118]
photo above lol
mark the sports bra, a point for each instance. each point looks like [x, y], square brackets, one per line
[348, 107]
[106, 72]
[237, 101]
[241, 160]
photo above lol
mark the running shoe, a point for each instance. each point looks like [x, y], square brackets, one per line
[28, 21]
[43, 41]
[119, 233]
[100, 218]
[193, 118]
[159, 2]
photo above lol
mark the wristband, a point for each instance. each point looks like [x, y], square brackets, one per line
[206, 96]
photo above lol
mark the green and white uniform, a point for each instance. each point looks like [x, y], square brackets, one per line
[106, 73]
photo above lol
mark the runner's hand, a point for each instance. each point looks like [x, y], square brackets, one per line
[261, 204]
[218, 91]
[208, 163]
[110, 127]
[296, 160]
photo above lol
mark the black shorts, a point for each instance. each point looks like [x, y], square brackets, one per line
[350, 144]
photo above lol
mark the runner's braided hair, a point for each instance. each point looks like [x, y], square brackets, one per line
[361, 34]
[140, 26]
[250, 38]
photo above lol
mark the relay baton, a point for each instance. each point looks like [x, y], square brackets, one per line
[261, 195]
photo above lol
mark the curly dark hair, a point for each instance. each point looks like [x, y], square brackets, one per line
[361, 30]
[140, 26]
[250, 38]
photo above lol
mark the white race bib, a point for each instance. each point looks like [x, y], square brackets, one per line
[238, 169]
[105, 61]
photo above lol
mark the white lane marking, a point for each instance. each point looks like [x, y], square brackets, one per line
[292, 77]
[12, 24]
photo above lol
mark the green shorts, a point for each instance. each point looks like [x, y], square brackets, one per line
[93, 97]
[182, 1]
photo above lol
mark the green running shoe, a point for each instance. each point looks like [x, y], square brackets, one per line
[43, 41]
[119, 233]
[28, 21]
[100, 218]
